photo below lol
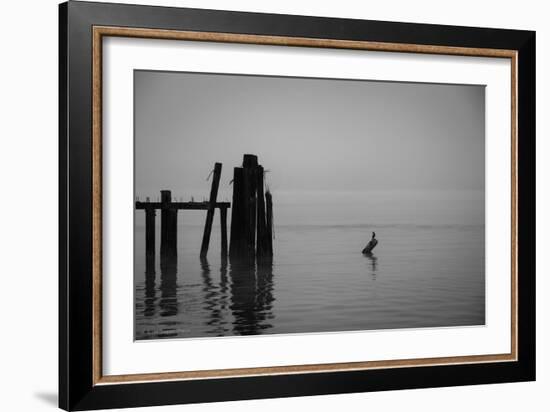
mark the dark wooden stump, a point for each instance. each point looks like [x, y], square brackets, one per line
[269, 222]
[250, 169]
[236, 245]
[250, 230]
[165, 198]
[150, 241]
[168, 230]
[223, 224]
[261, 225]
[211, 209]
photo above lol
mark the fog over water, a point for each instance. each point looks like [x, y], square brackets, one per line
[321, 140]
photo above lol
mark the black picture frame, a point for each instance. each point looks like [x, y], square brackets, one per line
[77, 390]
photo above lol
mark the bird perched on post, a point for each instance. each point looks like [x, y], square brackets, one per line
[373, 242]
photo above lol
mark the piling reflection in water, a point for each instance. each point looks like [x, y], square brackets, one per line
[212, 300]
[150, 295]
[373, 267]
[373, 262]
[265, 298]
[235, 297]
[251, 295]
[168, 302]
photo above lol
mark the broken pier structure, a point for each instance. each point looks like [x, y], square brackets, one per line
[252, 214]
[169, 223]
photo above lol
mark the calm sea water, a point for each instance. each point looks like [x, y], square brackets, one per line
[418, 276]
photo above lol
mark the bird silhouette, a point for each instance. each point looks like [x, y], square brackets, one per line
[371, 245]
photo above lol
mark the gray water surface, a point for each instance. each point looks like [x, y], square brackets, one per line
[418, 276]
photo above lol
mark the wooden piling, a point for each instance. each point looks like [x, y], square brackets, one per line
[261, 228]
[250, 161]
[211, 209]
[165, 198]
[251, 231]
[168, 226]
[150, 241]
[173, 234]
[250, 169]
[223, 224]
[236, 243]
[269, 223]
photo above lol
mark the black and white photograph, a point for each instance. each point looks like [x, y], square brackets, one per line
[289, 205]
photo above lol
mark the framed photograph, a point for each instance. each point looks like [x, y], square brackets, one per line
[257, 205]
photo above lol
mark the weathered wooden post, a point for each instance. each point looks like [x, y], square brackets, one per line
[165, 198]
[211, 209]
[173, 234]
[150, 240]
[168, 228]
[250, 169]
[250, 229]
[261, 232]
[223, 224]
[269, 223]
[168, 255]
[236, 244]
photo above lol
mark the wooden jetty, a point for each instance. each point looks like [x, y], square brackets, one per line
[252, 213]
[169, 222]
[251, 218]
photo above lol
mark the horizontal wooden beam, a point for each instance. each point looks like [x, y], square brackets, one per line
[182, 205]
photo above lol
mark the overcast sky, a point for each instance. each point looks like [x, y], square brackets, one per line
[320, 136]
